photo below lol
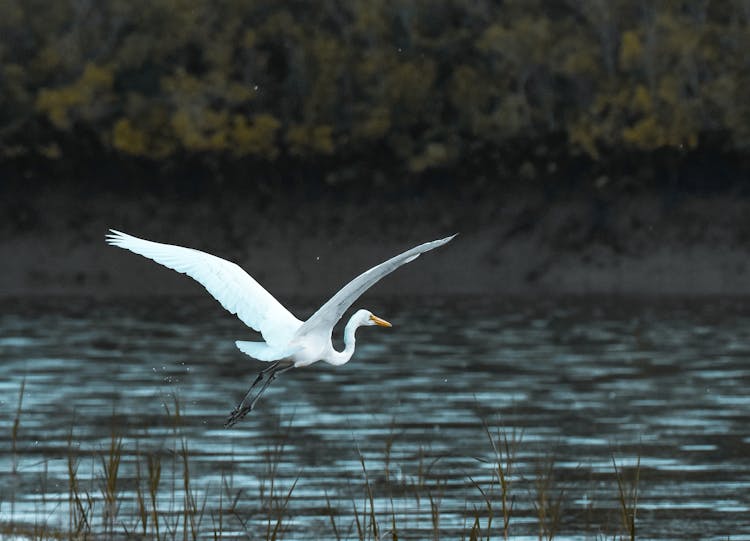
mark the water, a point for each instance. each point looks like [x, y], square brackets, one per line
[570, 384]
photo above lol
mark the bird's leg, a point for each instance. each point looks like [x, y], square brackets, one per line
[262, 373]
[243, 408]
[234, 416]
[270, 379]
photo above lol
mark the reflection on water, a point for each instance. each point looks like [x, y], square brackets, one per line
[577, 381]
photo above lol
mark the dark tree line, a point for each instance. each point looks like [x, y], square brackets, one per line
[421, 84]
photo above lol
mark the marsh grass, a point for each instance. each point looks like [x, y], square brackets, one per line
[276, 500]
[497, 495]
[548, 497]
[110, 469]
[122, 490]
[16, 424]
[627, 492]
[366, 520]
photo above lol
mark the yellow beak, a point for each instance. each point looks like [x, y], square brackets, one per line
[381, 322]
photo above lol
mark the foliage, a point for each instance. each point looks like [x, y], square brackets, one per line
[420, 81]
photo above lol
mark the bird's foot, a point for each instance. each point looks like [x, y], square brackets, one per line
[247, 405]
[237, 413]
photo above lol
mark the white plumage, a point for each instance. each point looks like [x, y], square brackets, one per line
[287, 339]
[235, 289]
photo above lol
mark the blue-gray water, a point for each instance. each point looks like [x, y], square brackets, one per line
[576, 382]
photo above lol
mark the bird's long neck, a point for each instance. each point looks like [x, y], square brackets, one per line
[342, 357]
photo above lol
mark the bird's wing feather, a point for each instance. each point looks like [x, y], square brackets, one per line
[328, 314]
[236, 290]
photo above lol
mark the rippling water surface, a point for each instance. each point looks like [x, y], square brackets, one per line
[570, 386]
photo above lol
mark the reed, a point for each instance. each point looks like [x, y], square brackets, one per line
[331, 514]
[110, 469]
[153, 464]
[80, 502]
[140, 498]
[274, 502]
[548, 500]
[504, 445]
[627, 496]
[137, 493]
[16, 426]
[368, 517]
[435, 495]
[476, 529]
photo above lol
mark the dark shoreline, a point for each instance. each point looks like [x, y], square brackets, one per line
[518, 243]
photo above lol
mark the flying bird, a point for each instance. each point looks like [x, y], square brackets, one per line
[289, 342]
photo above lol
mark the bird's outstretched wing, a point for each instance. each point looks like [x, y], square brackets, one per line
[236, 290]
[328, 314]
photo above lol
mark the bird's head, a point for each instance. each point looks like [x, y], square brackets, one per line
[365, 317]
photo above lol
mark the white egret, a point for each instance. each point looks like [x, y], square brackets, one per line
[289, 342]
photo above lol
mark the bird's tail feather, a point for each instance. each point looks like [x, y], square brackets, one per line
[261, 351]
